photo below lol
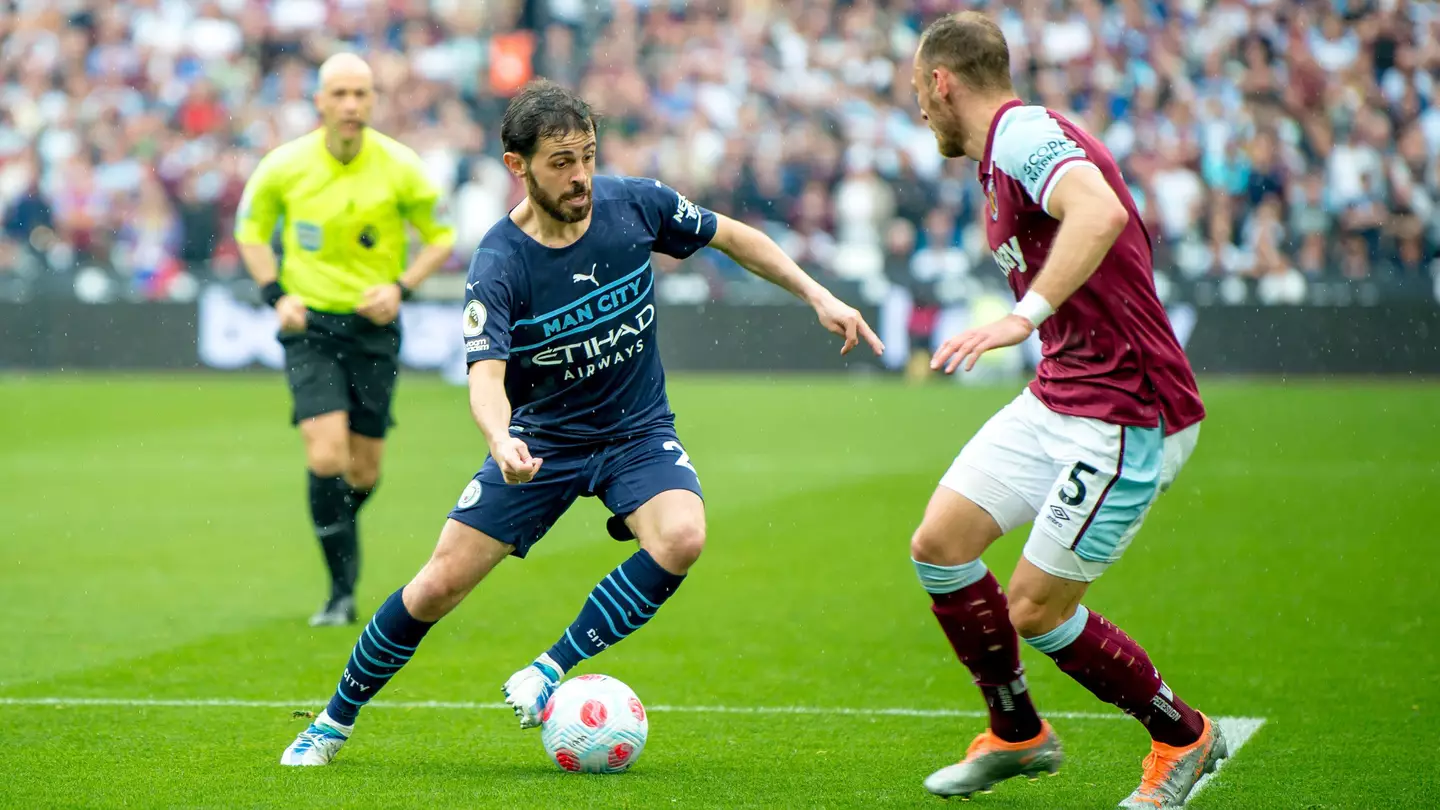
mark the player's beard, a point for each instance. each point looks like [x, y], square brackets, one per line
[559, 207]
[949, 145]
[948, 139]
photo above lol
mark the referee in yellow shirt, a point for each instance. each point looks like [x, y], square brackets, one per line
[345, 193]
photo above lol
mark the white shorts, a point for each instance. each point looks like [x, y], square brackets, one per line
[1087, 484]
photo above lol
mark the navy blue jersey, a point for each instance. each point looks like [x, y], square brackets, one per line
[576, 324]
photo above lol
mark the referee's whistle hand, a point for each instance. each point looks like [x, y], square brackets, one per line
[292, 313]
[381, 304]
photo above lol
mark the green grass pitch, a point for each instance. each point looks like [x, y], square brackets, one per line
[155, 552]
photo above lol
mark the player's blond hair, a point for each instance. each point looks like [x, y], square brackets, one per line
[971, 46]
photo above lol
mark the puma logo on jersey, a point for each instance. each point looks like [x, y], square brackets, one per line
[579, 277]
[1010, 257]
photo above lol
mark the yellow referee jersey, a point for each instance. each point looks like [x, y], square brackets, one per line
[344, 222]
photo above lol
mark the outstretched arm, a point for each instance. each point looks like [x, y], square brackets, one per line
[760, 255]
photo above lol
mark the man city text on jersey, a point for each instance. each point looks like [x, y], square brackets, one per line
[576, 324]
[626, 300]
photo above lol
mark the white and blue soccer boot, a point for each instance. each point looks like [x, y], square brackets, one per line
[317, 744]
[530, 689]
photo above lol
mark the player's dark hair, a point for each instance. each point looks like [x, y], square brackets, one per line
[970, 45]
[543, 109]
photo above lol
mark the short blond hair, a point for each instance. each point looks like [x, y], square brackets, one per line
[971, 46]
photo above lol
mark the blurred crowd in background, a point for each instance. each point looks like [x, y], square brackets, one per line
[1275, 148]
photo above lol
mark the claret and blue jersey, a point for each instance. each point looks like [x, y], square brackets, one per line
[576, 324]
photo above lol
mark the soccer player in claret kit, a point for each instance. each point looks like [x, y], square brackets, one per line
[567, 387]
[345, 193]
[1086, 448]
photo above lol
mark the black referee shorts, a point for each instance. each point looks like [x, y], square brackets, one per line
[343, 363]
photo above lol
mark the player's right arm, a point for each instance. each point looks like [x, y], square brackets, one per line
[491, 409]
[260, 208]
[486, 330]
[1038, 154]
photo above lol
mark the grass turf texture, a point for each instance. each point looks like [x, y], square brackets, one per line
[154, 544]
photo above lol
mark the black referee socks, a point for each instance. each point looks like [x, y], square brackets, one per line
[334, 519]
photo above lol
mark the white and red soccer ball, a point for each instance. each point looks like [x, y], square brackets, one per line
[594, 724]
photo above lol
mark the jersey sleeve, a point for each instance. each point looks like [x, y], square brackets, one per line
[1033, 149]
[682, 226]
[486, 322]
[261, 205]
[422, 205]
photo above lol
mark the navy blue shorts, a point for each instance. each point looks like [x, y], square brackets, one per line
[623, 475]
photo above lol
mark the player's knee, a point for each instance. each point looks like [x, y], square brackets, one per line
[327, 459]
[681, 545]
[925, 547]
[933, 545]
[1031, 618]
[431, 595]
[437, 589]
[362, 476]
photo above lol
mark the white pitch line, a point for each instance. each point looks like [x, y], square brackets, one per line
[1238, 731]
[199, 703]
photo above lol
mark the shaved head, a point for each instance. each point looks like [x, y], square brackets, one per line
[345, 99]
[347, 66]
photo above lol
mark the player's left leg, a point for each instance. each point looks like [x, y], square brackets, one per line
[671, 529]
[651, 486]
[1097, 507]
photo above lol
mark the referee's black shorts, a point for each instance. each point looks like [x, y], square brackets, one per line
[343, 363]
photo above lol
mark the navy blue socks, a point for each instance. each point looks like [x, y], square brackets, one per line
[385, 645]
[620, 604]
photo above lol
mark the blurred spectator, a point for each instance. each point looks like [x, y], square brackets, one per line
[199, 223]
[1363, 222]
[149, 240]
[1264, 239]
[1178, 195]
[1310, 224]
[1269, 137]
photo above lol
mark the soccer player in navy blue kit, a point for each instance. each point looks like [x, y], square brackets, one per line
[567, 387]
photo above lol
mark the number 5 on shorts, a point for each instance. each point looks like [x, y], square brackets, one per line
[1096, 506]
[1077, 493]
[684, 460]
[1076, 497]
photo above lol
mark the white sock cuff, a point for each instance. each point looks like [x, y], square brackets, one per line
[326, 719]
